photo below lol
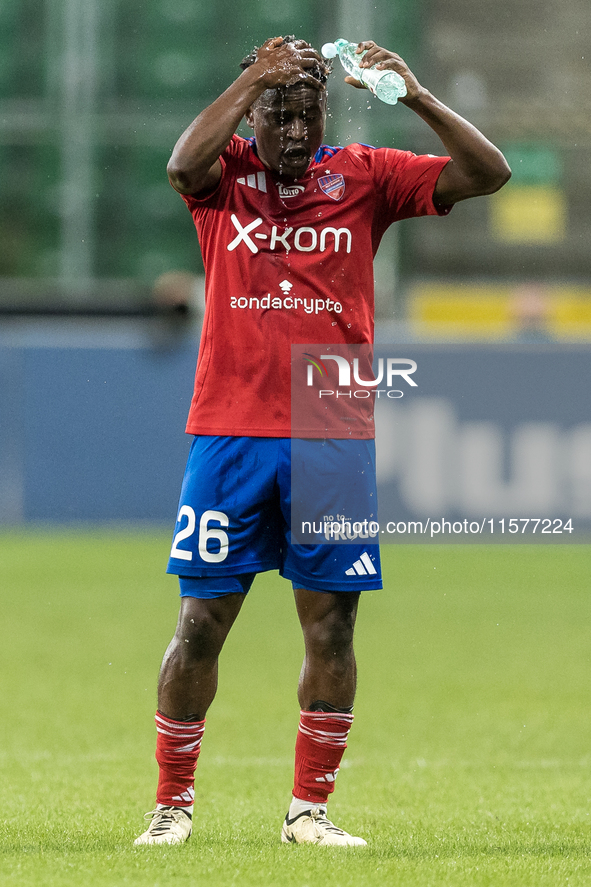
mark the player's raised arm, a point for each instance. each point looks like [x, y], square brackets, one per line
[476, 167]
[194, 165]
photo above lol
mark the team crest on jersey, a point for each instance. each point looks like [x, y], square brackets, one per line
[333, 185]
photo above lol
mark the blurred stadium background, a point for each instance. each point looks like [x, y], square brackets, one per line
[96, 250]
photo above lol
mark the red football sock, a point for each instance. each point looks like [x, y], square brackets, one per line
[178, 745]
[320, 745]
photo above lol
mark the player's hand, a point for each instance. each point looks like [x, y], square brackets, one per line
[285, 64]
[385, 60]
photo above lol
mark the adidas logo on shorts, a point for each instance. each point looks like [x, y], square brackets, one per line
[362, 567]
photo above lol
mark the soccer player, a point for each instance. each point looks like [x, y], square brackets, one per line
[288, 228]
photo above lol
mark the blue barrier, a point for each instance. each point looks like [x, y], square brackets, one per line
[93, 433]
[490, 434]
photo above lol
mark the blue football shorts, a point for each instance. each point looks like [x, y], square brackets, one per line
[235, 513]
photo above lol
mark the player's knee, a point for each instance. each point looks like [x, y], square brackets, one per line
[199, 636]
[331, 636]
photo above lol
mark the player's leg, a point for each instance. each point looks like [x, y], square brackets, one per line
[186, 688]
[326, 692]
[188, 677]
[223, 536]
[329, 672]
[327, 478]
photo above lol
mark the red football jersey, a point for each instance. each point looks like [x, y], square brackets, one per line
[291, 263]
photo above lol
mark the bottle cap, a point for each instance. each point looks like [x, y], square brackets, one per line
[329, 51]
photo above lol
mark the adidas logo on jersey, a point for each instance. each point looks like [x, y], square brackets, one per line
[257, 181]
[363, 567]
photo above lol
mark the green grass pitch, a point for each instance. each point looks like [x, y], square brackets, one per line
[468, 764]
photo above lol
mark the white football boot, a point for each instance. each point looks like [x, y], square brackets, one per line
[168, 825]
[313, 827]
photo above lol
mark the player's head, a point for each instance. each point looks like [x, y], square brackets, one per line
[320, 71]
[288, 123]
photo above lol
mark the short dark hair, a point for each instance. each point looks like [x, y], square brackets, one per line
[320, 70]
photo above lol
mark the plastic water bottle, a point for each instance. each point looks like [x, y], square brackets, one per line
[387, 85]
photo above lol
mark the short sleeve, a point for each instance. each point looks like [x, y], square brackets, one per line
[405, 180]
